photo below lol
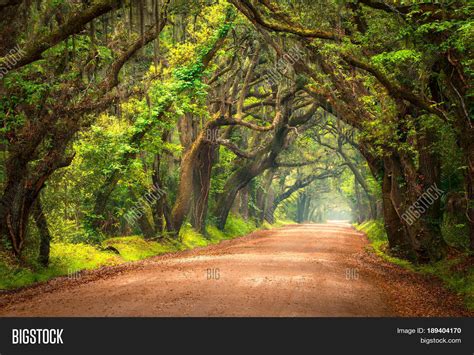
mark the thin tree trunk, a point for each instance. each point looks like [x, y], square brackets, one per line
[143, 222]
[234, 184]
[45, 236]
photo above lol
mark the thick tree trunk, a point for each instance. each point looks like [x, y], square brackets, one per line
[405, 194]
[194, 180]
[398, 239]
[184, 193]
[262, 195]
[201, 186]
[11, 228]
[430, 171]
[300, 208]
[417, 239]
[15, 208]
[456, 89]
[23, 185]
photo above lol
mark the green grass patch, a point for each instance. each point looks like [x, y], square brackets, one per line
[65, 259]
[456, 272]
[81, 256]
[135, 248]
[235, 227]
[278, 223]
[190, 238]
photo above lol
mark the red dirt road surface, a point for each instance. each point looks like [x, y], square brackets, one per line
[298, 270]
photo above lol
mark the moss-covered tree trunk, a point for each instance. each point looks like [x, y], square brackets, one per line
[201, 186]
[398, 239]
[194, 182]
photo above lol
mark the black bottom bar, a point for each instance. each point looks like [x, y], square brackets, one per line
[283, 335]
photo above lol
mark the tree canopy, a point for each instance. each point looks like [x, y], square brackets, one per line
[145, 117]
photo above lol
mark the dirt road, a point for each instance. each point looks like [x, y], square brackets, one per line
[303, 270]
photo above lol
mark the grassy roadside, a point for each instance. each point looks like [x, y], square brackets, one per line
[69, 258]
[456, 270]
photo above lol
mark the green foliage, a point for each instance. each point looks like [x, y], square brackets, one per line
[65, 230]
[215, 234]
[397, 57]
[189, 76]
[454, 233]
